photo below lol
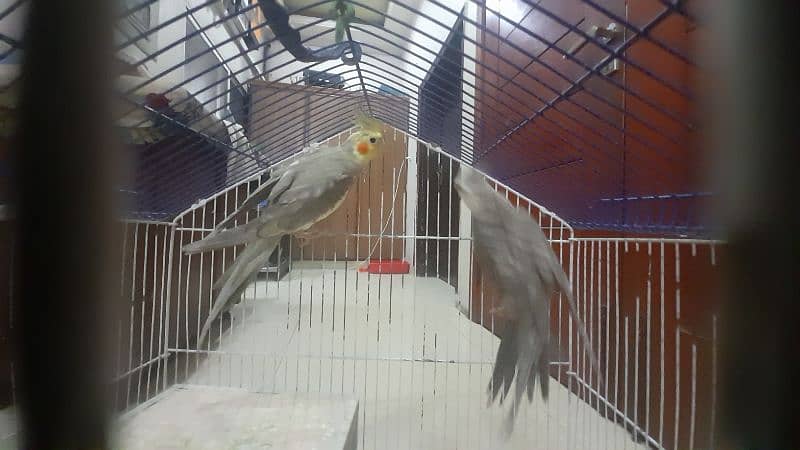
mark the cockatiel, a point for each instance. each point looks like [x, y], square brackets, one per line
[298, 195]
[514, 252]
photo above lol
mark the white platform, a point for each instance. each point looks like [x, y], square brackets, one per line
[203, 417]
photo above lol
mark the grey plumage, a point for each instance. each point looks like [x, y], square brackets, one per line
[514, 252]
[298, 195]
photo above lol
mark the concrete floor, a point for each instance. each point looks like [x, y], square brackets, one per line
[399, 344]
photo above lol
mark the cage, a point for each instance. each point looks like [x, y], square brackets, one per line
[579, 112]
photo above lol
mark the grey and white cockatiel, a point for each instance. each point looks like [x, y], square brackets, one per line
[298, 195]
[510, 247]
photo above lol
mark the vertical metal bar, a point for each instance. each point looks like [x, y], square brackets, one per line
[692, 417]
[572, 360]
[168, 298]
[585, 371]
[214, 221]
[222, 270]
[627, 359]
[300, 319]
[288, 319]
[594, 331]
[450, 220]
[560, 294]
[393, 216]
[333, 319]
[608, 334]
[713, 419]
[200, 298]
[677, 343]
[370, 304]
[242, 300]
[636, 367]
[662, 372]
[231, 330]
[593, 334]
[152, 313]
[546, 413]
[648, 337]
[186, 298]
[415, 275]
[118, 369]
[617, 331]
[141, 324]
[131, 315]
[178, 312]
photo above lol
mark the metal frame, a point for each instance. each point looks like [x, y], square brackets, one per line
[591, 140]
[593, 265]
[151, 357]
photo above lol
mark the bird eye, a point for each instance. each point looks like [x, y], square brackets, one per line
[372, 140]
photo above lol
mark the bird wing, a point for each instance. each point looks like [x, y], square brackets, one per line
[282, 177]
[308, 193]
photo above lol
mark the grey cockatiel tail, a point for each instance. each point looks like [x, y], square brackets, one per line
[514, 252]
[298, 195]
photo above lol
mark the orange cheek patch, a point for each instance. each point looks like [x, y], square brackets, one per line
[362, 148]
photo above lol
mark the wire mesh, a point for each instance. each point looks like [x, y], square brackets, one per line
[417, 349]
[527, 91]
[600, 134]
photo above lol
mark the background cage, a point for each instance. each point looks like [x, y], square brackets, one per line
[597, 127]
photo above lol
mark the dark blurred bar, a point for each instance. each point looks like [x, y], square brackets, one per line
[63, 170]
[757, 135]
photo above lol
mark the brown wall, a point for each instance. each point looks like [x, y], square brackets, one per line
[599, 133]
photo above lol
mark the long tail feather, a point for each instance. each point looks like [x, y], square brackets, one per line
[530, 359]
[220, 239]
[247, 263]
[504, 365]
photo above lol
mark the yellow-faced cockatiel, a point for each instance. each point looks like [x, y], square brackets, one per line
[298, 195]
[510, 247]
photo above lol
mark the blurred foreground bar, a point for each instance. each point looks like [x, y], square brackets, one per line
[757, 136]
[64, 218]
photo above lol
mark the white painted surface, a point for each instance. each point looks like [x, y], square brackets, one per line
[398, 343]
[203, 417]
